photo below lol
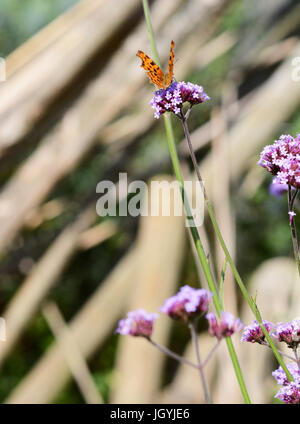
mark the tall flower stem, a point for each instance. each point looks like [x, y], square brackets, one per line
[172, 354]
[203, 258]
[194, 231]
[243, 289]
[209, 356]
[201, 372]
[291, 200]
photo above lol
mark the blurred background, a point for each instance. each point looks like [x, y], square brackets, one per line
[73, 112]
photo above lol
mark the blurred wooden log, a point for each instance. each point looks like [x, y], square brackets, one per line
[50, 34]
[96, 235]
[59, 53]
[72, 354]
[67, 144]
[92, 324]
[70, 140]
[166, 233]
[42, 277]
[160, 243]
[45, 212]
[276, 52]
[280, 29]
[253, 130]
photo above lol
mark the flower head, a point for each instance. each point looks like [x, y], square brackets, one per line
[253, 333]
[187, 303]
[289, 393]
[225, 327]
[282, 159]
[137, 323]
[280, 375]
[172, 98]
[288, 332]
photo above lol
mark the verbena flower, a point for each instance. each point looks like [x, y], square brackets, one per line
[137, 323]
[288, 332]
[282, 159]
[187, 303]
[280, 375]
[253, 333]
[223, 327]
[289, 393]
[172, 98]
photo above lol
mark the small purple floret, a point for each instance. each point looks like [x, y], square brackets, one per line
[137, 323]
[172, 98]
[187, 303]
[225, 327]
[253, 333]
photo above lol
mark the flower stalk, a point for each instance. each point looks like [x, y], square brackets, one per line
[291, 200]
[194, 337]
[172, 354]
[194, 231]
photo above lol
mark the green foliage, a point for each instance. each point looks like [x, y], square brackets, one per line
[20, 19]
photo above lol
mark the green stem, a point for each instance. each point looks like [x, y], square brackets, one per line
[150, 31]
[194, 231]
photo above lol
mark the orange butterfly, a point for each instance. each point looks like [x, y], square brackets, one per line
[154, 72]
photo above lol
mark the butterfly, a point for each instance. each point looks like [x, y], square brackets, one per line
[154, 72]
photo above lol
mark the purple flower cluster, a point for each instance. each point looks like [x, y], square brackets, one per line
[187, 303]
[290, 391]
[281, 377]
[172, 98]
[253, 333]
[137, 323]
[288, 332]
[282, 159]
[225, 327]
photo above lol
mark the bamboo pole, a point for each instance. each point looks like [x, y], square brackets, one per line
[28, 92]
[97, 318]
[72, 354]
[161, 246]
[92, 324]
[42, 277]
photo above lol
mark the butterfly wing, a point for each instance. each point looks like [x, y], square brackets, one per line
[171, 65]
[154, 72]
